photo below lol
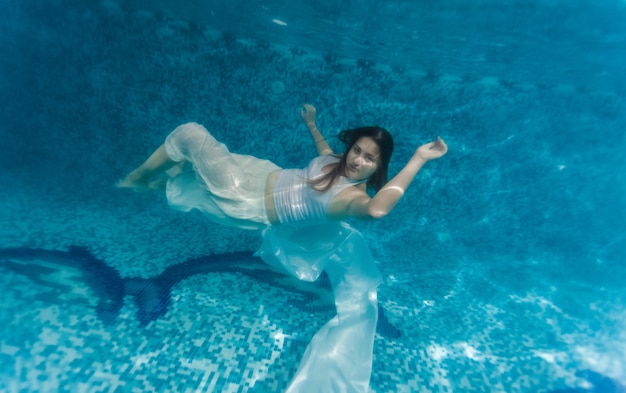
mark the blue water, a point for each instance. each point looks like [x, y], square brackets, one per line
[504, 264]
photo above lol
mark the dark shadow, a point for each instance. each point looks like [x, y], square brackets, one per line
[152, 296]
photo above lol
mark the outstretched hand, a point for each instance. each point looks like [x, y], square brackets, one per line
[432, 150]
[308, 113]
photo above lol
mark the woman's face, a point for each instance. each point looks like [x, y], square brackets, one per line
[362, 160]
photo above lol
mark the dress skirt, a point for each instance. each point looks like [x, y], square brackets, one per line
[228, 187]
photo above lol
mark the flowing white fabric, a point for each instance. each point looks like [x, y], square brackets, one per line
[230, 188]
[339, 357]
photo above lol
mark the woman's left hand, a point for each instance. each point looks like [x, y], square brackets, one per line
[308, 114]
[432, 150]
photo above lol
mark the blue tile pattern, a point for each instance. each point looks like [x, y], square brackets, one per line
[503, 265]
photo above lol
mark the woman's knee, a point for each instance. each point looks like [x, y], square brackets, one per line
[191, 132]
[181, 142]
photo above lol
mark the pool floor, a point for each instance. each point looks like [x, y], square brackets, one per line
[82, 311]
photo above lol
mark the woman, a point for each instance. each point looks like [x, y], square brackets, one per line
[252, 193]
[300, 213]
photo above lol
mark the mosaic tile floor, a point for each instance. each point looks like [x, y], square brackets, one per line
[79, 319]
[508, 277]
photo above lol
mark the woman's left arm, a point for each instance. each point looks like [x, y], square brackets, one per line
[387, 197]
[308, 113]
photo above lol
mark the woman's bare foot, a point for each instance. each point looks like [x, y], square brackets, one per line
[147, 176]
[158, 184]
[134, 182]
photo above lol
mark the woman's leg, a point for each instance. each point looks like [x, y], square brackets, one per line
[143, 178]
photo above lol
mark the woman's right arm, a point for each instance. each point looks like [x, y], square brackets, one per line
[308, 115]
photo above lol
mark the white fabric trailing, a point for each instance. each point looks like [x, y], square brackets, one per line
[339, 357]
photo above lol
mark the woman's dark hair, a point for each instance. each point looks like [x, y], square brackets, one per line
[383, 139]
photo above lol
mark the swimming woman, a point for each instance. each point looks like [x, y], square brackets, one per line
[300, 213]
[255, 193]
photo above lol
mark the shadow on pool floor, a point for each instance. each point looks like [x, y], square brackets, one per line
[152, 296]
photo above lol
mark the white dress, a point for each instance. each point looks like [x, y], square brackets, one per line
[339, 356]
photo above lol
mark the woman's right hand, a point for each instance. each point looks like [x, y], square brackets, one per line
[308, 114]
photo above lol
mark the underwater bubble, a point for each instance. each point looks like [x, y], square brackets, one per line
[278, 87]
